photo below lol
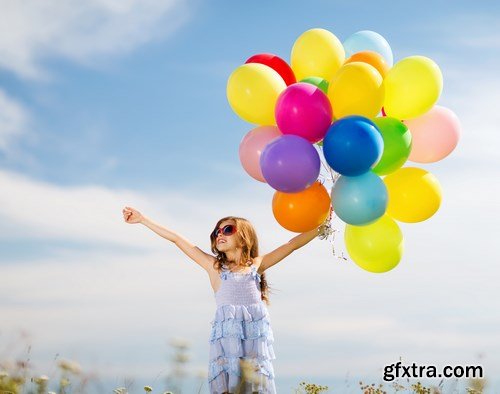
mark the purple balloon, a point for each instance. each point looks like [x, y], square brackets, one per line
[303, 109]
[290, 163]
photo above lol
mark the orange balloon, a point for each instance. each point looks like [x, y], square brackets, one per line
[372, 58]
[302, 211]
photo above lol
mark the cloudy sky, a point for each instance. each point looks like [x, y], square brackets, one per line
[107, 103]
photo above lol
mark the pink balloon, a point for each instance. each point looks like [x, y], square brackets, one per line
[303, 109]
[251, 147]
[434, 135]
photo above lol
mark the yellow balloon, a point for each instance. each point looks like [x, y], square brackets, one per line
[356, 89]
[412, 87]
[414, 194]
[376, 247]
[252, 91]
[317, 53]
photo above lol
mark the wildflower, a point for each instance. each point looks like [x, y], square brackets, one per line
[70, 366]
[41, 379]
[311, 388]
[181, 358]
[419, 389]
[18, 380]
[179, 343]
[249, 369]
[148, 389]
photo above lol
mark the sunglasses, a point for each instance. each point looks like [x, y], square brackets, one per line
[227, 230]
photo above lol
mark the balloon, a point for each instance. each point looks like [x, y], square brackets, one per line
[373, 59]
[356, 89]
[352, 145]
[412, 87]
[317, 52]
[303, 109]
[368, 40]
[376, 247]
[252, 91]
[435, 134]
[277, 64]
[302, 211]
[251, 147]
[359, 200]
[290, 163]
[414, 194]
[319, 82]
[397, 145]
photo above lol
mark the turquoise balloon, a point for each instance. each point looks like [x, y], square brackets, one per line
[367, 40]
[359, 200]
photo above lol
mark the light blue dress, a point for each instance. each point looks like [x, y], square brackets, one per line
[241, 329]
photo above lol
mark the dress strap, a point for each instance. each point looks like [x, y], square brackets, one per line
[254, 273]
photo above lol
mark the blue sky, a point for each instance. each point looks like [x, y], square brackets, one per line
[108, 103]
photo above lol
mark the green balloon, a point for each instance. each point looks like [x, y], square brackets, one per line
[397, 145]
[319, 82]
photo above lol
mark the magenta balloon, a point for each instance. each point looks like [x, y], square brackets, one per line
[290, 164]
[251, 147]
[302, 109]
[435, 135]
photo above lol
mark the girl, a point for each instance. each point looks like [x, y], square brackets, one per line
[241, 336]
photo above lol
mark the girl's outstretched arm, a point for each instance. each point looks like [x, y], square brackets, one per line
[203, 259]
[295, 243]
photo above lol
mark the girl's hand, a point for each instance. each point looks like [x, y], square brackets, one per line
[131, 215]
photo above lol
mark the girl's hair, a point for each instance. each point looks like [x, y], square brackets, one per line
[247, 238]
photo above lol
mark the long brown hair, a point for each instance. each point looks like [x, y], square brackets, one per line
[247, 238]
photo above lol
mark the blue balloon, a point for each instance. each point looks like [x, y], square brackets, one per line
[367, 40]
[359, 200]
[353, 145]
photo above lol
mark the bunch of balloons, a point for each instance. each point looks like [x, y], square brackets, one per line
[367, 115]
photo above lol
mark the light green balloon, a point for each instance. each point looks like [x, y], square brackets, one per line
[376, 247]
[397, 145]
[319, 82]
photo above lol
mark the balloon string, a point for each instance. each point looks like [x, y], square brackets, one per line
[328, 231]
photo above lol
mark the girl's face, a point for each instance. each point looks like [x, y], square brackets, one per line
[225, 243]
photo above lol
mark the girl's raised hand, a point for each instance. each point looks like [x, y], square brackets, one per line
[131, 215]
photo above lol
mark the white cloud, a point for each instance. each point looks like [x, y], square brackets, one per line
[31, 31]
[13, 120]
[91, 213]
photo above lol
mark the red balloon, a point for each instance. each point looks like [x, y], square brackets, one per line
[277, 64]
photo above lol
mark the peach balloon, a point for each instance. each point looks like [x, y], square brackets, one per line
[251, 147]
[372, 58]
[434, 135]
[302, 211]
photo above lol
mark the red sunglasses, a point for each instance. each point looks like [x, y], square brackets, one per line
[227, 230]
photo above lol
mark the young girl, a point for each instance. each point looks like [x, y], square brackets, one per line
[241, 350]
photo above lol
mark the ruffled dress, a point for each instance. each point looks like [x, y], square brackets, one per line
[241, 337]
